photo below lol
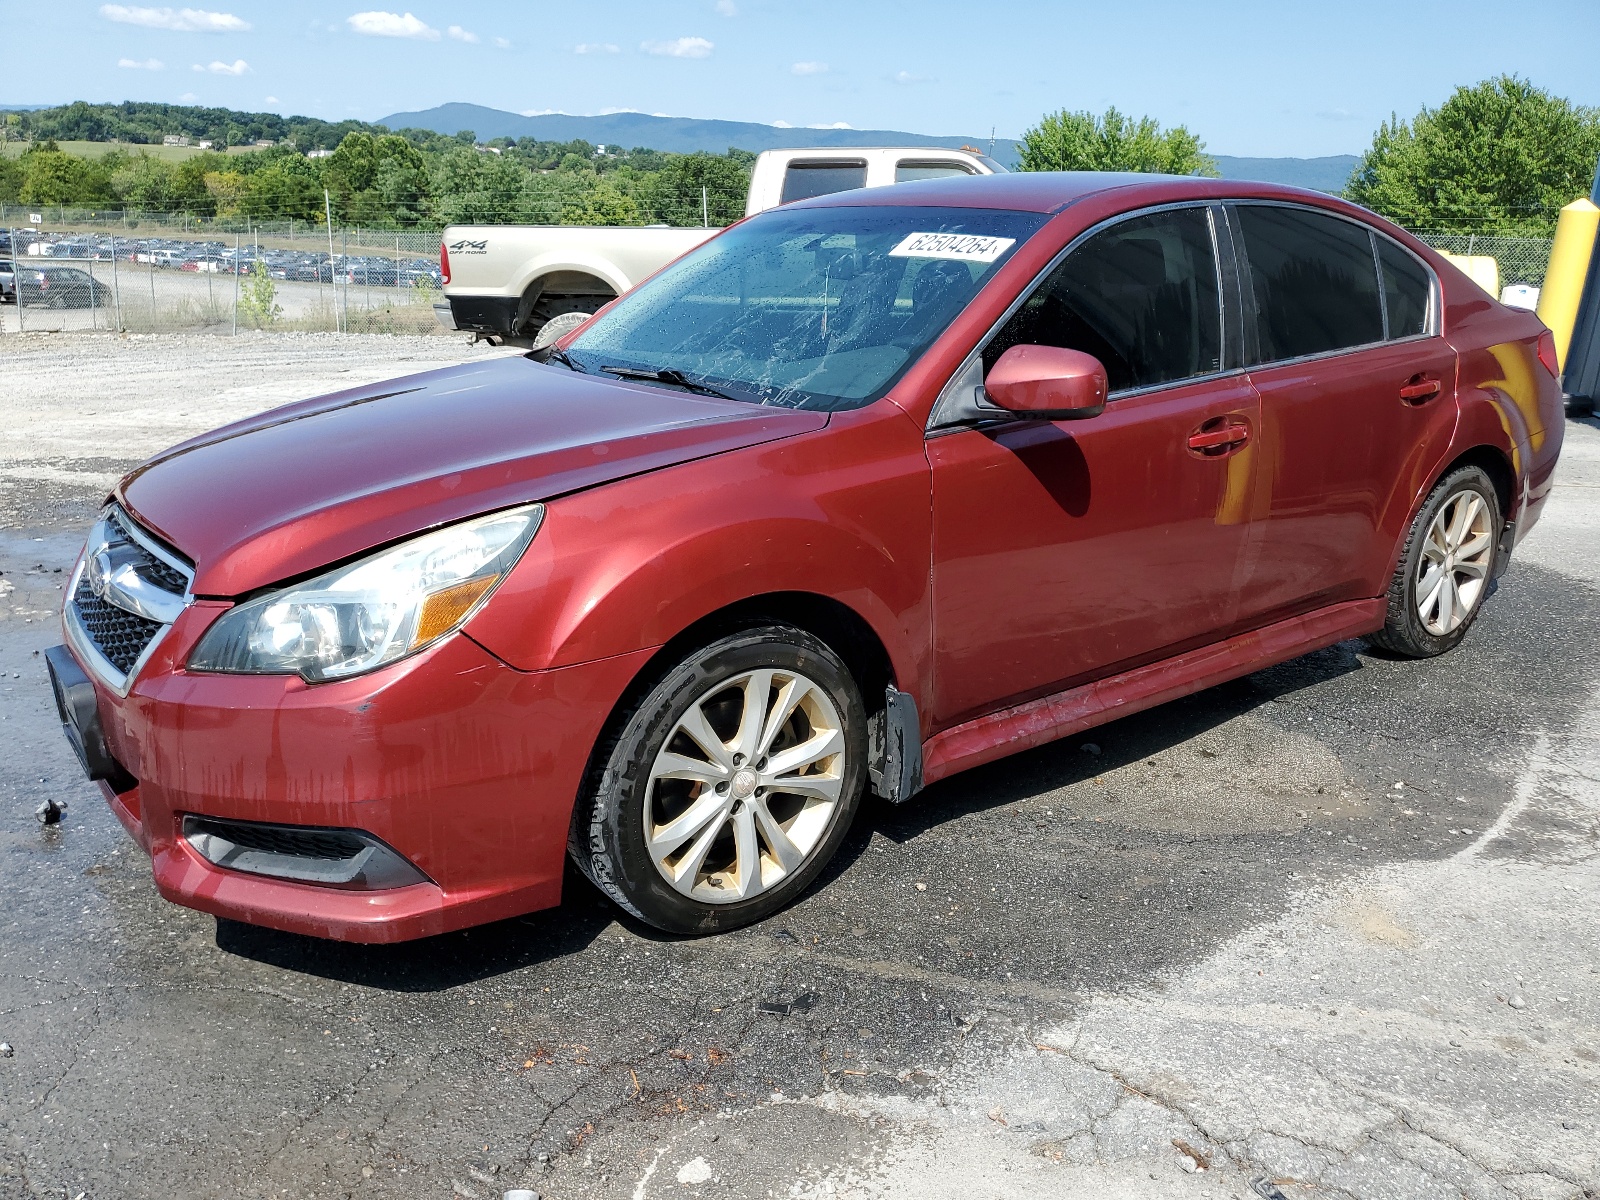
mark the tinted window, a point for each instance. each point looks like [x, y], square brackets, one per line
[804, 180]
[1141, 297]
[1315, 282]
[906, 172]
[1406, 290]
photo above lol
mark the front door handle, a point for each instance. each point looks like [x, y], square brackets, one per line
[1419, 389]
[1218, 436]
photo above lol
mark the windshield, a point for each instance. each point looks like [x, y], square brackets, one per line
[819, 308]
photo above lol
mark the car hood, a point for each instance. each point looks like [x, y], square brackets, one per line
[304, 486]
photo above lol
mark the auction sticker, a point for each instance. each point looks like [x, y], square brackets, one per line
[962, 247]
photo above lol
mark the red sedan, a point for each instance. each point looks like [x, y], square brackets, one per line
[862, 492]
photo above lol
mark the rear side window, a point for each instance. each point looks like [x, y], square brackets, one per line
[1142, 297]
[1314, 280]
[906, 171]
[806, 179]
[1407, 289]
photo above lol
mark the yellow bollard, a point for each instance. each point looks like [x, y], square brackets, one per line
[1569, 268]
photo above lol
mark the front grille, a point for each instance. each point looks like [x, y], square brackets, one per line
[119, 636]
[281, 839]
[162, 574]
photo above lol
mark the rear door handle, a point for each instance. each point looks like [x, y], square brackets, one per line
[1211, 440]
[1420, 389]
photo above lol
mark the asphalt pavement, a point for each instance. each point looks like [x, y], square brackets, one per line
[1327, 931]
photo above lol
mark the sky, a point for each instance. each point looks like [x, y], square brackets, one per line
[1254, 77]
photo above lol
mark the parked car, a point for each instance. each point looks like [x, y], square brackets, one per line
[866, 491]
[60, 287]
[510, 281]
[8, 281]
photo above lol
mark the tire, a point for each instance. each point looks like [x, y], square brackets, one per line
[1437, 590]
[731, 868]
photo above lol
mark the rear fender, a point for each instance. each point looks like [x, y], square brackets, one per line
[554, 261]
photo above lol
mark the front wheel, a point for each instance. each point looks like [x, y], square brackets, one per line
[728, 786]
[1445, 570]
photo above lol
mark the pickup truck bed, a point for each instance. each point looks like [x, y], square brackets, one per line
[510, 282]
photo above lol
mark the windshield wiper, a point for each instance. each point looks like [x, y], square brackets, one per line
[563, 358]
[668, 375]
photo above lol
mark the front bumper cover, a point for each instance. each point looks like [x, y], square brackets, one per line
[461, 766]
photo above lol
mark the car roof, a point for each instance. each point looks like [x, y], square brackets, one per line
[1052, 191]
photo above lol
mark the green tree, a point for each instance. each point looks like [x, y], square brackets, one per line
[144, 183]
[352, 168]
[1081, 141]
[674, 195]
[51, 176]
[258, 297]
[472, 188]
[602, 203]
[10, 180]
[1500, 156]
[288, 187]
[189, 191]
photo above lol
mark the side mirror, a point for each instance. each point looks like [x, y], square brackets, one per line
[1047, 382]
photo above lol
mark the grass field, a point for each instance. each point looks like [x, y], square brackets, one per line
[96, 149]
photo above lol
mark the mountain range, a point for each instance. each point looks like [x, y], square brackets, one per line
[684, 135]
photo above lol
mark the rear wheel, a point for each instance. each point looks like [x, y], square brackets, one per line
[1444, 573]
[729, 785]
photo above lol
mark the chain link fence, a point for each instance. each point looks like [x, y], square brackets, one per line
[212, 281]
[84, 270]
[1522, 260]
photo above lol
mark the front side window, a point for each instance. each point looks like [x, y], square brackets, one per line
[804, 180]
[817, 308]
[1141, 296]
[1407, 290]
[1314, 280]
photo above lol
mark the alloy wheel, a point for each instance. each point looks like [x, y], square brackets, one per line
[1454, 567]
[746, 786]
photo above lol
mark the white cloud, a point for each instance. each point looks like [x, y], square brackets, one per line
[149, 64]
[835, 125]
[183, 20]
[237, 67]
[596, 48]
[503, 43]
[684, 47]
[782, 125]
[188, 98]
[727, 8]
[388, 24]
[461, 35]
[908, 77]
[273, 100]
[809, 68]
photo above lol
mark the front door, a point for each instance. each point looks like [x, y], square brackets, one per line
[1064, 551]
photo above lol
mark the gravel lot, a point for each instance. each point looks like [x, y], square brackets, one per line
[1213, 950]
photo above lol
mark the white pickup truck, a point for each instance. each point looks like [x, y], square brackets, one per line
[529, 284]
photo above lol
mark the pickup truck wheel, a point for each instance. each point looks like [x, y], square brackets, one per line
[729, 785]
[1444, 572]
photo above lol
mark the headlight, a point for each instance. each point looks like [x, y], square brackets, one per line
[371, 612]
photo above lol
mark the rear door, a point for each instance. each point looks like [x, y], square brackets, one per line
[1065, 551]
[1357, 403]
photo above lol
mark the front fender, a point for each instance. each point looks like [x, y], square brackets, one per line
[841, 513]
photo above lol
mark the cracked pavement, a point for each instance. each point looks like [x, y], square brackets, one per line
[1219, 954]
